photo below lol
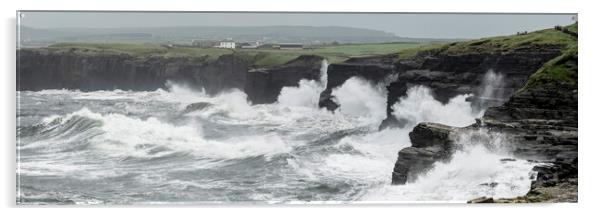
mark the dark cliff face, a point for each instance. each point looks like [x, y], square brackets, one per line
[451, 75]
[543, 118]
[447, 74]
[539, 120]
[374, 69]
[431, 142]
[263, 85]
[43, 69]
[88, 72]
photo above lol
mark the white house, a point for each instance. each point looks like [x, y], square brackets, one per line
[227, 44]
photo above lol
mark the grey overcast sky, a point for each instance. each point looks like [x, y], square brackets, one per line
[403, 25]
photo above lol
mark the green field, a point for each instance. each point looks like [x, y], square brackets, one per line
[333, 53]
[546, 37]
[138, 50]
[259, 57]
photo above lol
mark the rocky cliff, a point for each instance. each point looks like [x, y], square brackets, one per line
[540, 123]
[263, 85]
[39, 69]
[452, 69]
[375, 69]
[450, 74]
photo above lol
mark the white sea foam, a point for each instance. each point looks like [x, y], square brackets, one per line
[307, 93]
[365, 158]
[125, 136]
[475, 170]
[420, 106]
[358, 97]
[472, 173]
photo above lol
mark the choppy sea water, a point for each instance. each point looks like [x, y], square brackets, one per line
[127, 147]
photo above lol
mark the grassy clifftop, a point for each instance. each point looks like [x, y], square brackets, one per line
[258, 57]
[501, 44]
[546, 37]
[334, 53]
[561, 70]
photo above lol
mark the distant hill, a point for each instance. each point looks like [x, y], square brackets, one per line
[185, 34]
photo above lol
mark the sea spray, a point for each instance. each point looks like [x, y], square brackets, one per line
[232, 150]
[420, 106]
[307, 93]
[490, 92]
[479, 167]
[122, 136]
[359, 97]
[324, 72]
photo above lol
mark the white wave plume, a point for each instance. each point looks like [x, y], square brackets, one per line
[420, 106]
[358, 97]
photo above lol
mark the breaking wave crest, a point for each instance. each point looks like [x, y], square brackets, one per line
[420, 106]
[226, 149]
[122, 136]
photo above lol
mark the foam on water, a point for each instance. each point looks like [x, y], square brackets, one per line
[471, 173]
[124, 136]
[481, 167]
[340, 148]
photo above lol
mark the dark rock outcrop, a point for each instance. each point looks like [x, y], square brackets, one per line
[39, 69]
[449, 75]
[263, 85]
[540, 123]
[196, 106]
[431, 142]
[44, 69]
[481, 200]
[374, 69]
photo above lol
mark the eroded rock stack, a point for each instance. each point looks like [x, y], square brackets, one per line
[431, 142]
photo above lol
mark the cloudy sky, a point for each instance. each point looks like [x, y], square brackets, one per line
[403, 25]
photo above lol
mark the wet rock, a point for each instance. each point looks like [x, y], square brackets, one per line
[451, 75]
[392, 122]
[197, 106]
[374, 69]
[490, 184]
[263, 85]
[540, 123]
[544, 122]
[327, 100]
[431, 142]
[431, 134]
[481, 200]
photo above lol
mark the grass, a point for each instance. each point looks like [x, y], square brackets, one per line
[258, 57]
[573, 28]
[139, 50]
[546, 37]
[561, 70]
[333, 53]
[410, 52]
